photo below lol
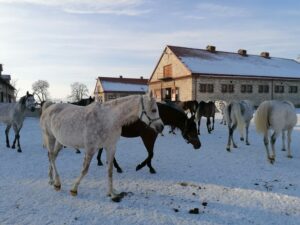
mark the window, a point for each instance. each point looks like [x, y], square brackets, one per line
[227, 88]
[202, 87]
[263, 89]
[279, 89]
[246, 88]
[293, 89]
[168, 70]
[206, 88]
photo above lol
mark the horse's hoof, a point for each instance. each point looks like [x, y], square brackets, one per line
[119, 170]
[116, 199]
[19, 150]
[242, 139]
[8, 146]
[228, 149]
[57, 187]
[73, 193]
[13, 147]
[100, 163]
[235, 146]
[51, 182]
[283, 150]
[152, 171]
[290, 156]
[271, 160]
[78, 151]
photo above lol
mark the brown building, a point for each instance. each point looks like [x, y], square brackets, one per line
[207, 74]
[6, 89]
[108, 88]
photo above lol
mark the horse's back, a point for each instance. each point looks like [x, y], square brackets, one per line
[283, 115]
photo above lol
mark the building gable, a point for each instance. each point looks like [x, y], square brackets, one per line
[169, 67]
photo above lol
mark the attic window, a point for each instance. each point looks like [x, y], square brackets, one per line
[168, 71]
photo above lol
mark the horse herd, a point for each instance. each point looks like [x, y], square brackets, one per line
[93, 126]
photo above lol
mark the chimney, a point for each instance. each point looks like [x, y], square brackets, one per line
[121, 76]
[242, 52]
[265, 55]
[211, 48]
[142, 77]
[1, 69]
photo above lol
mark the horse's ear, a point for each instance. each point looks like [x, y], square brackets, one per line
[27, 93]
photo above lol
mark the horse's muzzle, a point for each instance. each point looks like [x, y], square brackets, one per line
[159, 128]
[197, 145]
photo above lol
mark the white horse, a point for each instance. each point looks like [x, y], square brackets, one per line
[13, 114]
[221, 105]
[280, 116]
[91, 127]
[238, 114]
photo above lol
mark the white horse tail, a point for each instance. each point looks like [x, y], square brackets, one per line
[261, 119]
[45, 105]
[237, 112]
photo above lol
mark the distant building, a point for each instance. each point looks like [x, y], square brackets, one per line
[108, 88]
[6, 89]
[207, 74]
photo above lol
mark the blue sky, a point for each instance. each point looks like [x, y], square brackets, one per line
[66, 41]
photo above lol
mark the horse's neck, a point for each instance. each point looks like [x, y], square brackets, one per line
[125, 111]
[177, 120]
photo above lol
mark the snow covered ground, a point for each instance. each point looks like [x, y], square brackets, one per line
[240, 187]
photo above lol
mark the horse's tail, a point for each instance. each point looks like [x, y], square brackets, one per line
[261, 119]
[236, 113]
[45, 105]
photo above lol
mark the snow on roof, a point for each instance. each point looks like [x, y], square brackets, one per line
[124, 87]
[227, 63]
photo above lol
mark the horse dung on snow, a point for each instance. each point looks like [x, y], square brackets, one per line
[93, 126]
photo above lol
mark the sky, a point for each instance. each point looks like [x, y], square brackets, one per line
[67, 41]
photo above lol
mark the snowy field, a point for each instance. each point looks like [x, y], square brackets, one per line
[240, 187]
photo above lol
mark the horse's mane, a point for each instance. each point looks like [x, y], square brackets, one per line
[173, 105]
[119, 100]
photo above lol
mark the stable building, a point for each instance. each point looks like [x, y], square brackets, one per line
[108, 88]
[7, 91]
[184, 74]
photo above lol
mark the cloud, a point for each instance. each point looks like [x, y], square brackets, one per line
[216, 10]
[116, 7]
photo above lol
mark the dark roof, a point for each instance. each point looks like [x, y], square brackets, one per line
[3, 80]
[201, 61]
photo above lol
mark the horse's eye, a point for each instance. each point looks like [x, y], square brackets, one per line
[154, 110]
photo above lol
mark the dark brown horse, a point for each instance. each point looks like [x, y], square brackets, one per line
[170, 116]
[206, 109]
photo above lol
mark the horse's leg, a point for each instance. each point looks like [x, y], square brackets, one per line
[273, 140]
[149, 141]
[110, 154]
[208, 125]
[266, 142]
[283, 140]
[86, 164]
[213, 125]
[230, 136]
[289, 133]
[199, 123]
[99, 157]
[56, 150]
[247, 132]
[6, 134]
[17, 137]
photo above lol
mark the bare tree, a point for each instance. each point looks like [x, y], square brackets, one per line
[78, 91]
[17, 90]
[40, 89]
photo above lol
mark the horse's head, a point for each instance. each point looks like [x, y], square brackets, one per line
[29, 101]
[149, 113]
[190, 134]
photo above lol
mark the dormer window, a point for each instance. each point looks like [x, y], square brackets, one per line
[168, 71]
